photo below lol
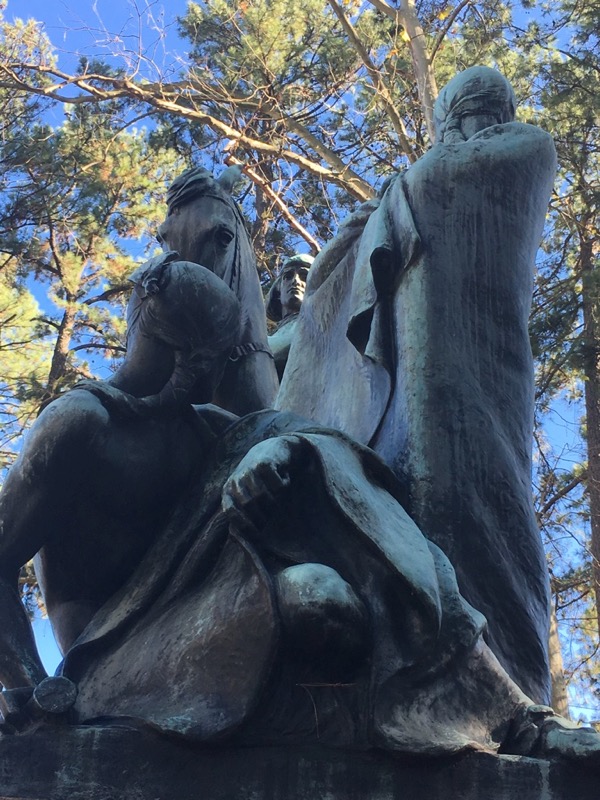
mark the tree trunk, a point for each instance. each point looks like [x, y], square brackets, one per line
[58, 367]
[406, 15]
[424, 74]
[560, 702]
[591, 333]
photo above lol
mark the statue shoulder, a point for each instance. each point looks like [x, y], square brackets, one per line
[519, 141]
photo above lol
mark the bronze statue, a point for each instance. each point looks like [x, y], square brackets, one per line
[414, 329]
[101, 470]
[205, 226]
[283, 305]
[178, 544]
[253, 579]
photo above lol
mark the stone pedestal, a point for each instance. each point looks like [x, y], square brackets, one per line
[93, 763]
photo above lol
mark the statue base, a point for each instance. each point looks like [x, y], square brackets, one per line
[102, 763]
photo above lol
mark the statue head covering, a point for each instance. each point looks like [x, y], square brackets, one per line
[477, 90]
[273, 301]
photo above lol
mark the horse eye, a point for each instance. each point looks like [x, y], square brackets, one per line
[224, 236]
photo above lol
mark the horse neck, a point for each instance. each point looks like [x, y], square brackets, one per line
[241, 275]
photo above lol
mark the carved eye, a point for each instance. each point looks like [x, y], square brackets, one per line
[223, 236]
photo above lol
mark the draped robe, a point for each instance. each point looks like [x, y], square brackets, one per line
[192, 643]
[434, 292]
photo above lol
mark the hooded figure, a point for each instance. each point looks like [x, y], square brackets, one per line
[430, 299]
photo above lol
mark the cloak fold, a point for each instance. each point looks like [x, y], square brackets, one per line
[172, 649]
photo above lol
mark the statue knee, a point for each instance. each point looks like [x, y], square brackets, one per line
[68, 421]
[325, 623]
[59, 446]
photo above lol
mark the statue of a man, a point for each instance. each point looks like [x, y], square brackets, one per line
[283, 305]
[101, 470]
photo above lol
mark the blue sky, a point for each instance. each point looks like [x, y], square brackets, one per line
[147, 28]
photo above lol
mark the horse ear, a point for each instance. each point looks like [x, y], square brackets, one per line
[229, 177]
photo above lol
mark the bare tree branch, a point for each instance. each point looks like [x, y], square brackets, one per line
[108, 294]
[95, 87]
[448, 24]
[572, 484]
[286, 213]
[377, 80]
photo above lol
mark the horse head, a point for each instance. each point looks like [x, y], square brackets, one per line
[205, 226]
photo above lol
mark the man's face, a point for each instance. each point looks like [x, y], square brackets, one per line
[291, 290]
